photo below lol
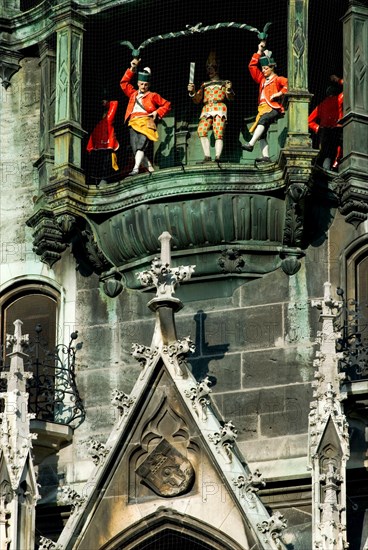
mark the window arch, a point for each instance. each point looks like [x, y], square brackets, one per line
[168, 529]
[34, 303]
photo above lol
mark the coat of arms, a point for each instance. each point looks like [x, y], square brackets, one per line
[166, 471]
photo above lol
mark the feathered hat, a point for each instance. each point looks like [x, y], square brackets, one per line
[145, 75]
[267, 60]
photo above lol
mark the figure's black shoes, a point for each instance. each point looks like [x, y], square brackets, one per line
[263, 159]
[247, 147]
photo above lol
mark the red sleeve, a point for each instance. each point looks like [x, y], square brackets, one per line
[254, 70]
[340, 100]
[164, 106]
[125, 84]
[112, 110]
[313, 117]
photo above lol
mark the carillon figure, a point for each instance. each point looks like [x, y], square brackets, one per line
[272, 88]
[144, 109]
[213, 94]
[102, 144]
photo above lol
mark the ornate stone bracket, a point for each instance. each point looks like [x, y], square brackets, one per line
[224, 440]
[48, 238]
[198, 395]
[9, 65]
[293, 228]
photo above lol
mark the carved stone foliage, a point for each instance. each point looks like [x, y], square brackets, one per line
[294, 218]
[177, 352]
[121, 401]
[143, 354]
[199, 397]
[224, 440]
[97, 450]
[274, 528]
[70, 497]
[231, 261]
[46, 544]
[166, 471]
[249, 486]
[164, 277]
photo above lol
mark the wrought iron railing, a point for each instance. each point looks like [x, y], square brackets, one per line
[53, 392]
[353, 343]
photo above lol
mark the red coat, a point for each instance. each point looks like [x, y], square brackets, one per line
[103, 135]
[150, 101]
[327, 114]
[272, 86]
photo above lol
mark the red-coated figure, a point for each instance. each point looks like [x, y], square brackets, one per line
[102, 142]
[324, 121]
[271, 91]
[144, 107]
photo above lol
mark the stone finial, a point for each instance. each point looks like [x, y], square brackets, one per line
[17, 340]
[161, 275]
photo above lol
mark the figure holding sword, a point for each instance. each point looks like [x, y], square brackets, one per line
[213, 116]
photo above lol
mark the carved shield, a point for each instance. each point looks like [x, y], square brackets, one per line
[166, 471]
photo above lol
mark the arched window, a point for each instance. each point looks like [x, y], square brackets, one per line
[34, 304]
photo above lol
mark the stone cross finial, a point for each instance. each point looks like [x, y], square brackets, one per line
[165, 239]
[17, 340]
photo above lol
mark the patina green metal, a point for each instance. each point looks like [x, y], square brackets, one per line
[68, 130]
[45, 163]
[198, 28]
[298, 95]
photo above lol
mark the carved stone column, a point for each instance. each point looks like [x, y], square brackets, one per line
[68, 131]
[45, 162]
[354, 166]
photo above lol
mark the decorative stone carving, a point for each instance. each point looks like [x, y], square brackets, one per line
[121, 401]
[177, 352]
[328, 435]
[46, 544]
[274, 528]
[97, 450]
[48, 240]
[165, 278]
[66, 222]
[231, 261]
[166, 471]
[224, 440]
[70, 497]
[198, 395]
[18, 487]
[143, 354]
[249, 486]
